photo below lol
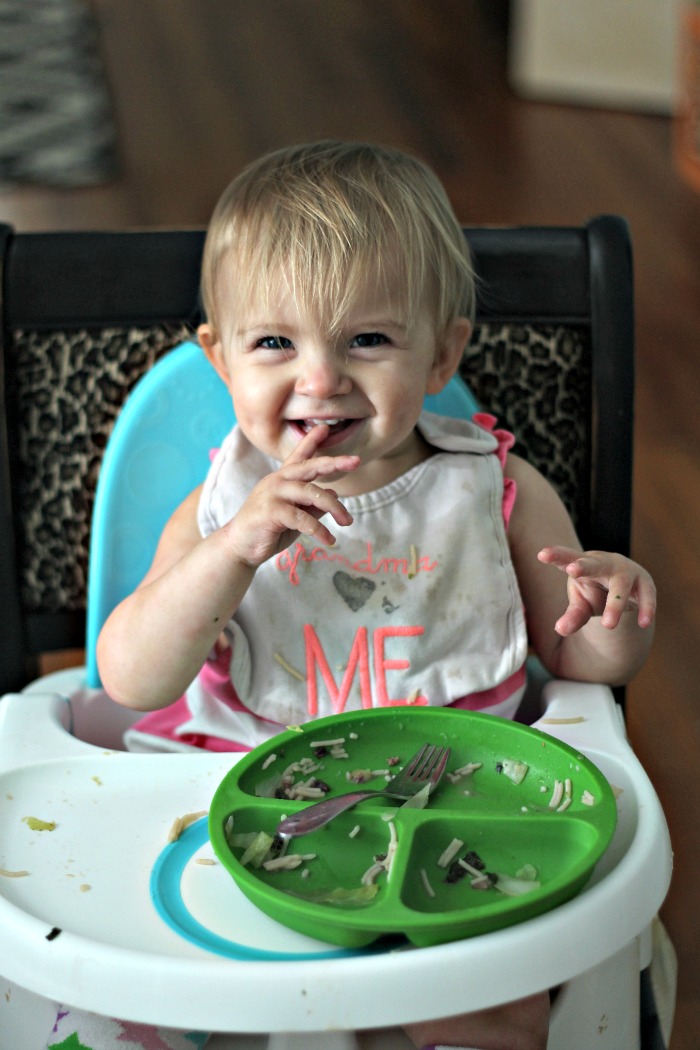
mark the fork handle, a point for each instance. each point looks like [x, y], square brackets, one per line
[321, 813]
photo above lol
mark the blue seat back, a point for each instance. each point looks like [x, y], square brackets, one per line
[157, 454]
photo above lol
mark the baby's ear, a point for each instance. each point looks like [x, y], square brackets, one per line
[212, 347]
[448, 354]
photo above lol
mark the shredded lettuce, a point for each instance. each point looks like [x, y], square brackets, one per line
[528, 871]
[269, 787]
[514, 770]
[257, 851]
[358, 897]
[513, 887]
[242, 840]
[419, 800]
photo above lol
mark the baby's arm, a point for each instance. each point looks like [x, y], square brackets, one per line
[155, 642]
[590, 615]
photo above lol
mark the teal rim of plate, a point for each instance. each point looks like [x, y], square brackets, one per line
[166, 895]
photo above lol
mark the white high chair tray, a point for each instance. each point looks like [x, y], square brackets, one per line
[111, 918]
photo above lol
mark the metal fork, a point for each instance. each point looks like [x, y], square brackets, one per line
[426, 767]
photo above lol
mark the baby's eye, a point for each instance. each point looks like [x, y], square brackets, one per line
[274, 342]
[369, 339]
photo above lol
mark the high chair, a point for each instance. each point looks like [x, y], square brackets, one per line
[84, 316]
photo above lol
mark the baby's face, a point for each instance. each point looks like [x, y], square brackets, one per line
[287, 371]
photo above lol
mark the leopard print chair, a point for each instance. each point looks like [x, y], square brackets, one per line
[84, 315]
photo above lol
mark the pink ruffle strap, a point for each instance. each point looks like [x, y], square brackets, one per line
[505, 441]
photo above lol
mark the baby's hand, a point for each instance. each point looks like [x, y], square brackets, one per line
[601, 584]
[288, 503]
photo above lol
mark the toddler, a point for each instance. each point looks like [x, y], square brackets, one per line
[348, 549]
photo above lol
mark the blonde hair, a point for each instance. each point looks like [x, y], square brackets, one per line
[327, 218]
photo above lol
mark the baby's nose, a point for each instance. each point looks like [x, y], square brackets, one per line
[323, 378]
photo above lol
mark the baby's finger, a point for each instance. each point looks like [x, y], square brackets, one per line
[587, 566]
[307, 448]
[646, 599]
[619, 591]
[303, 463]
[304, 522]
[309, 444]
[324, 501]
[323, 466]
[577, 615]
[562, 557]
[318, 532]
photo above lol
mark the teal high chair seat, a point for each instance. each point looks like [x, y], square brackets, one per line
[80, 927]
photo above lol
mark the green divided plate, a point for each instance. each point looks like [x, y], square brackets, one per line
[513, 827]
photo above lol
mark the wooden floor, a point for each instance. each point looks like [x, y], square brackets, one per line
[201, 88]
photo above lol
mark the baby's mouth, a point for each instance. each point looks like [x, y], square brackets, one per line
[339, 430]
[335, 425]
